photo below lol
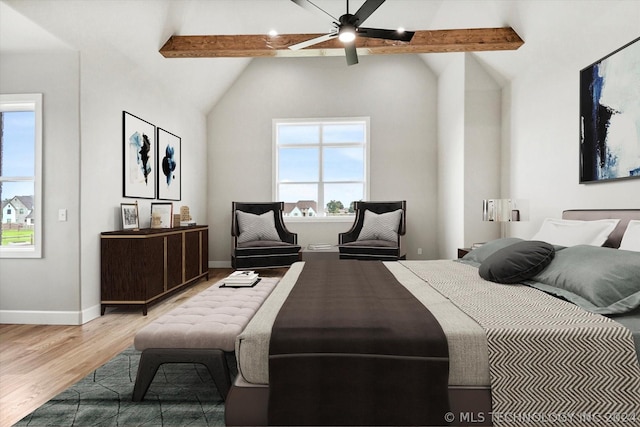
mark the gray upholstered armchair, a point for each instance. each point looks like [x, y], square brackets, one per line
[260, 237]
[376, 233]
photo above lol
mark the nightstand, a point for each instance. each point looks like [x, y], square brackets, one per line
[463, 251]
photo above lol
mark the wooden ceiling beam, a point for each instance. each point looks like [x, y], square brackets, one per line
[259, 45]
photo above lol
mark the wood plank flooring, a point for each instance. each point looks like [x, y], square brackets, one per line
[39, 361]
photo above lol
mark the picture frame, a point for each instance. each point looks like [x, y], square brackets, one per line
[130, 217]
[610, 116]
[138, 157]
[161, 215]
[169, 166]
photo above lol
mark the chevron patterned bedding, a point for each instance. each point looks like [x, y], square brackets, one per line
[545, 359]
[549, 360]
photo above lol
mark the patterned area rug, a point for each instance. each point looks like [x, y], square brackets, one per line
[180, 395]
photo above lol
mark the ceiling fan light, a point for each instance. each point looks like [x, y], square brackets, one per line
[347, 34]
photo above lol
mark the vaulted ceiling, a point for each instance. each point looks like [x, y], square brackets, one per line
[137, 29]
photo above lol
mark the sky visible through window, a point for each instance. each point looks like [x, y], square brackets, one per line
[18, 151]
[321, 162]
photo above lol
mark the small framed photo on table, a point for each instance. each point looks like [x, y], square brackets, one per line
[161, 215]
[130, 219]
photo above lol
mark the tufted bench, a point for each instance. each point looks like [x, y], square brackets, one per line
[200, 331]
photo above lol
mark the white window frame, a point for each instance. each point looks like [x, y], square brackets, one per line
[28, 102]
[321, 202]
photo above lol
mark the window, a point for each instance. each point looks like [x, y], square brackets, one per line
[321, 167]
[20, 175]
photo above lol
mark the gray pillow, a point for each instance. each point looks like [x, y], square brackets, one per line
[600, 280]
[517, 262]
[382, 226]
[256, 227]
[478, 255]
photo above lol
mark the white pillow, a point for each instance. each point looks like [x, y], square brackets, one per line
[565, 232]
[380, 226]
[631, 237]
[256, 227]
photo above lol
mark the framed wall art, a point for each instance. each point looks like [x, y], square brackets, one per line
[169, 166]
[161, 215]
[130, 219]
[139, 153]
[610, 116]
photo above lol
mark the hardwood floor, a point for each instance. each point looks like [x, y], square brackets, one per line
[39, 361]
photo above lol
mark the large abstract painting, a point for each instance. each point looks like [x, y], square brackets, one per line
[169, 163]
[139, 178]
[610, 116]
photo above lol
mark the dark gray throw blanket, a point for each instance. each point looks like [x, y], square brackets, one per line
[352, 346]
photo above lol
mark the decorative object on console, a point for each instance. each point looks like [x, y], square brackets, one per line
[161, 215]
[169, 166]
[185, 217]
[610, 117]
[130, 219]
[138, 156]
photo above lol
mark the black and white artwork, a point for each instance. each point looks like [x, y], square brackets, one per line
[610, 116]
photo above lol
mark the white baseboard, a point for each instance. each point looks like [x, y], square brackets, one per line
[219, 264]
[32, 317]
[26, 317]
[91, 313]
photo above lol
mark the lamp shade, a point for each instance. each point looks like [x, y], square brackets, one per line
[500, 210]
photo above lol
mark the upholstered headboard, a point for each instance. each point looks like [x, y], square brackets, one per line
[625, 215]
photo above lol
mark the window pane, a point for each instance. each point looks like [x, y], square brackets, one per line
[298, 164]
[343, 164]
[346, 194]
[298, 134]
[18, 143]
[343, 133]
[292, 193]
[18, 214]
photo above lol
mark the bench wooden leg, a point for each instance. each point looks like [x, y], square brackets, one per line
[151, 359]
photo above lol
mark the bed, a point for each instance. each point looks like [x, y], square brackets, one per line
[518, 354]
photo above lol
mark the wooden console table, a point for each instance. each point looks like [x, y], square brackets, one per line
[138, 267]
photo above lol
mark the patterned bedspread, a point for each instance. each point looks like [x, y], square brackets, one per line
[551, 363]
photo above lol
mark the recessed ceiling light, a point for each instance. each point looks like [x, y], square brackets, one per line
[273, 33]
[400, 30]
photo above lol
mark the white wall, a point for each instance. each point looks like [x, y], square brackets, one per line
[398, 93]
[109, 85]
[46, 290]
[469, 153]
[544, 114]
[482, 150]
[451, 125]
[84, 96]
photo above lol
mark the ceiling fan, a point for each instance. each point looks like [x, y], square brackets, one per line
[365, 41]
[348, 28]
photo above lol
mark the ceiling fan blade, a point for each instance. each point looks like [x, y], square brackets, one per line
[351, 53]
[313, 41]
[378, 33]
[367, 9]
[314, 8]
